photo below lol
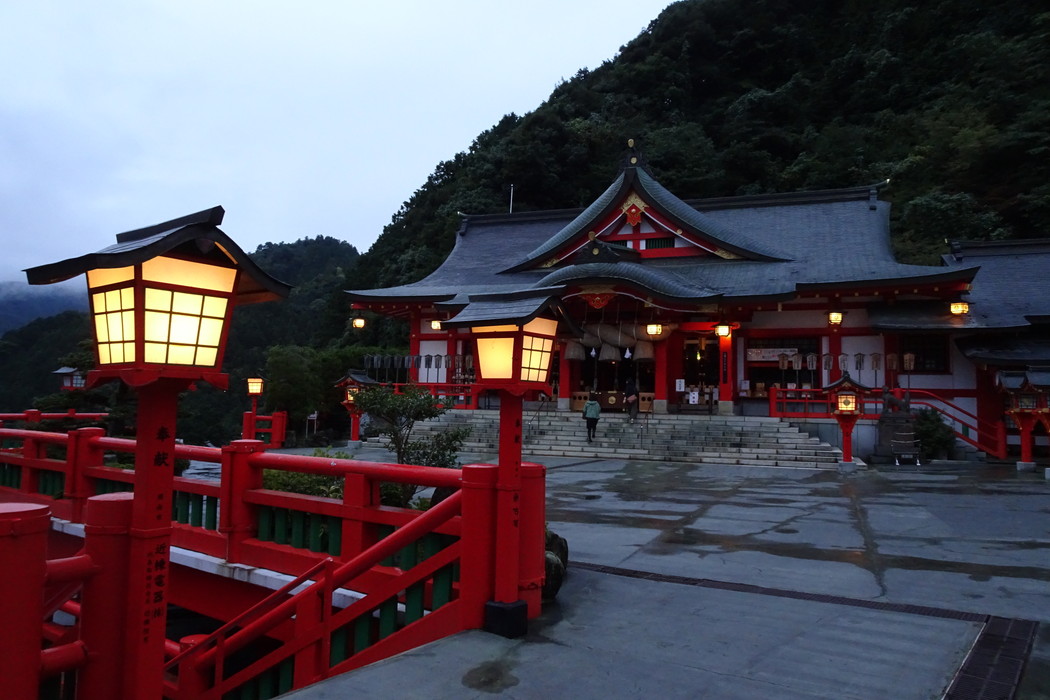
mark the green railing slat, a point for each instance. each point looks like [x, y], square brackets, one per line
[182, 507]
[267, 687]
[196, 509]
[362, 633]
[337, 646]
[335, 535]
[388, 618]
[414, 596]
[280, 525]
[298, 528]
[441, 590]
[286, 675]
[211, 514]
[316, 534]
[266, 524]
[409, 557]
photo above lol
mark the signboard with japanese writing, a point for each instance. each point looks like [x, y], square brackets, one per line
[768, 354]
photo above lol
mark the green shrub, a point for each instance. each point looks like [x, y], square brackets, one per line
[936, 438]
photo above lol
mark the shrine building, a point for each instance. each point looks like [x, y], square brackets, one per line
[735, 305]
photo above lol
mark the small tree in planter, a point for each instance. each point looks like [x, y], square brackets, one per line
[936, 438]
[395, 415]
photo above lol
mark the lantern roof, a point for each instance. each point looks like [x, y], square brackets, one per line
[358, 377]
[1031, 379]
[499, 309]
[846, 383]
[196, 234]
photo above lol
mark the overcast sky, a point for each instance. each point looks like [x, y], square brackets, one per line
[301, 119]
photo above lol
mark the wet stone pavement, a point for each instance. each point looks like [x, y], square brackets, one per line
[969, 538]
[715, 581]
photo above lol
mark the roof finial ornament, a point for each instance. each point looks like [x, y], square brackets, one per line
[633, 158]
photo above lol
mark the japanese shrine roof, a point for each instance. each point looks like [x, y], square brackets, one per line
[1013, 349]
[1011, 288]
[725, 236]
[799, 242]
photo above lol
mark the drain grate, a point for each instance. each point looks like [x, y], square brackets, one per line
[993, 667]
[991, 671]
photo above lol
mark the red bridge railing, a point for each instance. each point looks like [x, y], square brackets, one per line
[416, 576]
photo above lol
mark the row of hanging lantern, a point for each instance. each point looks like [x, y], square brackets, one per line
[828, 361]
[462, 366]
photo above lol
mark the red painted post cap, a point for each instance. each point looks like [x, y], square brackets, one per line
[24, 518]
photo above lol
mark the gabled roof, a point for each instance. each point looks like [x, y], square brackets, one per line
[637, 180]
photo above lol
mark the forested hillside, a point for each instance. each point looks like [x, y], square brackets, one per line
[950, 99]
[20, 303]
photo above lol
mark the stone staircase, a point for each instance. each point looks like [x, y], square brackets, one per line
[750, 440]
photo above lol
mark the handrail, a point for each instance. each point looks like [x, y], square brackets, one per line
[439, 588]
[325, 466]
[206, 656]
[816, 403]
[34, 416]
[271, 602]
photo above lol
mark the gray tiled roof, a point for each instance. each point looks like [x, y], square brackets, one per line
[1007, 349]
[838, 238]
[1012, 287]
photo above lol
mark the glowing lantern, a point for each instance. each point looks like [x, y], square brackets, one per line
[515, 356]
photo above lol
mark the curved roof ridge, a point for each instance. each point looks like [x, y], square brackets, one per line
[663, 282]
[575, 226]
[730, 238]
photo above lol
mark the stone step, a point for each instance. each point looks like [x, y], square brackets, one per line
[746, 440]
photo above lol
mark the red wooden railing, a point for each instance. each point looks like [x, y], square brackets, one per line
[274, 427]
[418, 575]
[35, 416]
[815, 403]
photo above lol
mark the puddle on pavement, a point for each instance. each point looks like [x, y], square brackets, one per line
[491, 677]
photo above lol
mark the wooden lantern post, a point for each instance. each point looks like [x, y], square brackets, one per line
[161, 301]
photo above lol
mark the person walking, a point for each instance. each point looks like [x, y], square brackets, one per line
[592, 410]
[630, 396]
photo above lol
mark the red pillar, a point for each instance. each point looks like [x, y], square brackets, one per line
[355, 425]
[479, 542]
[508, 525]
[23, 557]
[662, 370]
[726, 371]
[507, 614]
[150, 538]
[80, 454]
[835, 349]
[1026, 423]
[103, 615]
[357, 536]
[236, 518]
[532, 559]
[846, 423]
